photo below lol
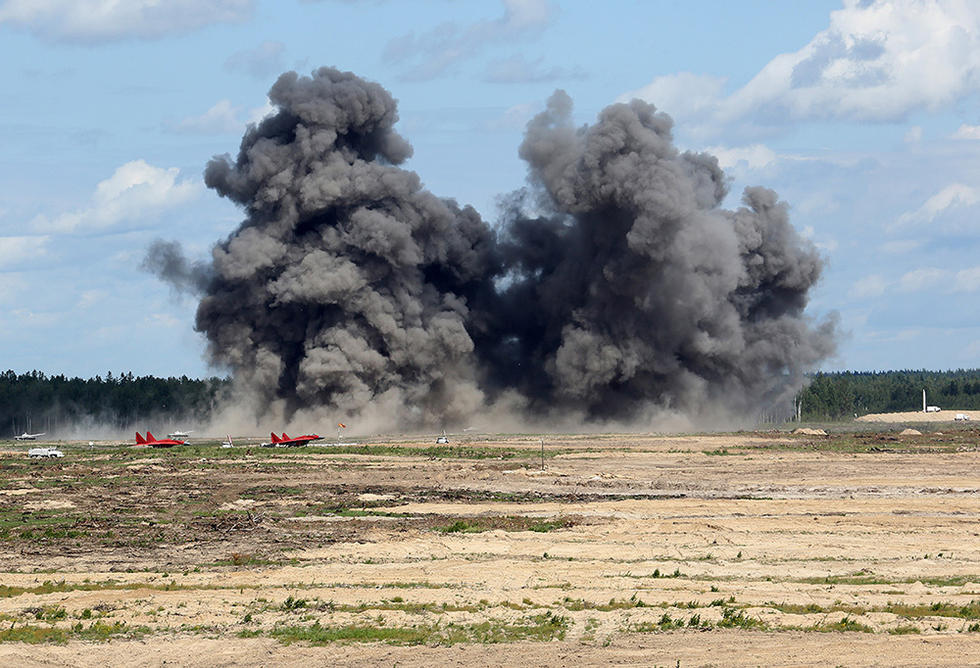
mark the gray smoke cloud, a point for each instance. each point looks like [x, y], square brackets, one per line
[615, 285]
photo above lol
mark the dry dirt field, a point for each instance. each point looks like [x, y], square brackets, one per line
[918, 416]
[858, 548]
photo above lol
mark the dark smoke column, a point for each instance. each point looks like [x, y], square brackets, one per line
[630, 289]
[347, 285]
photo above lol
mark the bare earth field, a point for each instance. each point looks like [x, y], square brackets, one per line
[858, 548]
[918, 416]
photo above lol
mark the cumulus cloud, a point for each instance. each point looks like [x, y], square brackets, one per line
[222, 118]
[965, 131]
[432, 53]
[933, 279]
[827, 244]
[96, 21]
[967, 280]
[953, 197]
[878, 60]
[20, 249]
[683, 95]
[755, 156]
[261, 62]
[926, 278]
[135, 191]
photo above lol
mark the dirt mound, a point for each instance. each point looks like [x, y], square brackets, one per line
[810, 432]
[910, 432]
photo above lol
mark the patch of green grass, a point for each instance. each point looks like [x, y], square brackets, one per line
[970, 610]
[462, 526]
[657, 574]
[541, 628]
[904, 629]
[868, 578]
[845, 624]
[574, 605]
[48, 587]
[733, 618]
[97, 631]
[506, 523]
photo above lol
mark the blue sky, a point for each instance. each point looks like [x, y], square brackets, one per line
[862, 116]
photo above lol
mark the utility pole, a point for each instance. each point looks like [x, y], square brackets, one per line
[923, 401]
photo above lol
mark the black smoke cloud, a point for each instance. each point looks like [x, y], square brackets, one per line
[615, 286]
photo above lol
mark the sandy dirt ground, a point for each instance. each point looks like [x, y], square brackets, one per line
[738, 549]
[919, 416]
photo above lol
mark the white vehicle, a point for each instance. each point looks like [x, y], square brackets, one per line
[180, 435]
[228, 444]
[443, 440]
[28, 437]
[960, 417]
[44, 453]
[933, 409]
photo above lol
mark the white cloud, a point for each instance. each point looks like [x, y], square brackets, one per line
[222, 118]
[16, 250]
[432, 53]
[828, 244]
[927, 278]
[869, 286]
[756, 156]
[682, 95]
[94, 21]
[913, 135]
[952, 197]
[876, 61]
[967, 132]
[920, 280]
[135, 191]
[258, 113]
[967, 280]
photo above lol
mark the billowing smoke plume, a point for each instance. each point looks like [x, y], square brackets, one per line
[615, 285]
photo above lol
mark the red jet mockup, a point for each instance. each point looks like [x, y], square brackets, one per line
[154, 443]
[285, 441]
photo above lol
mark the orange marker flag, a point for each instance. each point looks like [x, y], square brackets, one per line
[342, 425]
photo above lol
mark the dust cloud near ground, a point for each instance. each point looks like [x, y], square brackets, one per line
[755, 548]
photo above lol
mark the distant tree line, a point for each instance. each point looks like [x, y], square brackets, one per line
[36, 402]
[832, 396]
